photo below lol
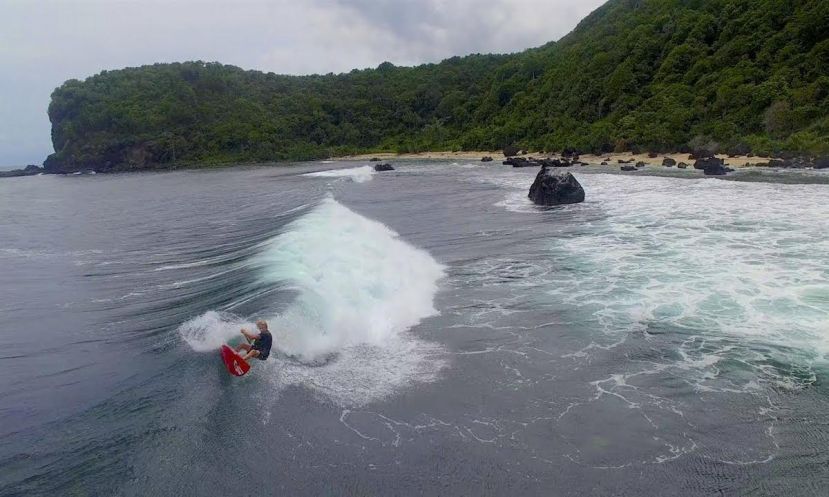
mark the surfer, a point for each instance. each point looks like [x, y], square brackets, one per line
[258, 346]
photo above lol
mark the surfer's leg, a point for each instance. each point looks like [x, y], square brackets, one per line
[243, 347]
[251, 354]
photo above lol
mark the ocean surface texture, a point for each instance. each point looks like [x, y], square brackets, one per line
[436, 334]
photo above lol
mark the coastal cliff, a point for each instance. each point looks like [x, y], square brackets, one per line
[731, 76]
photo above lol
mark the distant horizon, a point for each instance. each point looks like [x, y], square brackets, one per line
[76, 40]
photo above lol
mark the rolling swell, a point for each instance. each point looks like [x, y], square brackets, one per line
[358, 289]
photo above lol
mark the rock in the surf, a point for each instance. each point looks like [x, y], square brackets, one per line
[715, 169]
[383, 167]
[486, 159]
[668, 162]
[682, 165]
[708, 162]
[555, 188]
[520, 162]
[821, 163]
[629, 168]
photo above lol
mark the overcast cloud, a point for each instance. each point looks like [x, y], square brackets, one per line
[44, 43]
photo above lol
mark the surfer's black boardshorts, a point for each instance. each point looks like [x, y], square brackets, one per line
[263, 354]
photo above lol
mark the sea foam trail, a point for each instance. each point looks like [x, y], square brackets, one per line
[356, 174]
[358, 288]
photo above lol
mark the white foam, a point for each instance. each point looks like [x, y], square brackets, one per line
[211, 330]
[723, 260]
[359, 289]
[356, 174]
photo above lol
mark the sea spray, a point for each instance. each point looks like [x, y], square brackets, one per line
[357, 282]
[356, 174]
[358, 289]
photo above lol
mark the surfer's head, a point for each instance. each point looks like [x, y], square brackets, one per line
[262, 325]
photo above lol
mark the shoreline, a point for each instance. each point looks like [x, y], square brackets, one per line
[741, 161]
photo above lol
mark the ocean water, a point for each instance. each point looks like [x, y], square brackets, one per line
[435, 333]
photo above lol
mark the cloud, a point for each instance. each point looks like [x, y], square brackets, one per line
[42, 44]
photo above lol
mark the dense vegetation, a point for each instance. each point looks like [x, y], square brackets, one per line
[734, 75]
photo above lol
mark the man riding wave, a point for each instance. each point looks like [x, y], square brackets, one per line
[259, 345]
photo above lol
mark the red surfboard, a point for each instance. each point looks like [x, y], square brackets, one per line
[234, 362]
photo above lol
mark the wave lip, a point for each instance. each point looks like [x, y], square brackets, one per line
[359, 290]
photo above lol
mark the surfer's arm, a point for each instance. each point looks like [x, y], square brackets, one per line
[249, 336]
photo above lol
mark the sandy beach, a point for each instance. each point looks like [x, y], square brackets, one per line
[611, 159]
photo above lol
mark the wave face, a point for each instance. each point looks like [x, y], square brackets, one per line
[358, 289]
[356, 174]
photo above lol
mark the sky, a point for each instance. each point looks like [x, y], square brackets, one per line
[45, 42]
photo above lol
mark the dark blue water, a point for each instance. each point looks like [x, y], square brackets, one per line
[436, 334]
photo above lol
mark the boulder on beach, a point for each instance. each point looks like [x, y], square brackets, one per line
[604, 163]
[510, 151]
[521, 162]
[821, 163]
[555, 163]
[714, 169]
[701, 154]
[555, 188]
[486, 159]
[622, 161]
[652, 155]
[640, 165]
[682, 165]
[383, 167]
[668, 162]
[708, 162]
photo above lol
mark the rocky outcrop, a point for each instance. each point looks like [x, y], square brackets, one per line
[521, 162]
[555, 188]
[29, 170]
[640, 165]
[486, 159]
[383, 167]
[668, 162]
[708, 162]
[821, 163]
[701, 154]
[715, 169]
[511, 151]
[556, 163]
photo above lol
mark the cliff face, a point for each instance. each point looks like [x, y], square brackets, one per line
[730, 75]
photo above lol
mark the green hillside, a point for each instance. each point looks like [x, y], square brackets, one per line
[660, 75]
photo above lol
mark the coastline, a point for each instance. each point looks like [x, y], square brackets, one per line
[740, 161]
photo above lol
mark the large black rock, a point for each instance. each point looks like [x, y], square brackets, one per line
[715, 169]
[668, 162]
[708, 162]
[383, 167]
[821, 163]
[553, 188]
